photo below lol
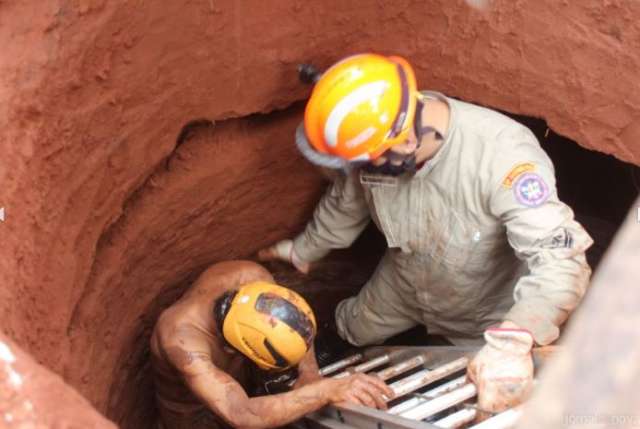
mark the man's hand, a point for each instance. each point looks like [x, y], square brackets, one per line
[503, 369]
[283, 251]
[359, 389]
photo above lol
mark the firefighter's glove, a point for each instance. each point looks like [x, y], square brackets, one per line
[283, 251]
[502, 370]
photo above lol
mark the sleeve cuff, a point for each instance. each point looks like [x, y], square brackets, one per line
[306, 251]
[535, 321]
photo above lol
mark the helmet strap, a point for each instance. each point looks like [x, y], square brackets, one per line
[395, 165]
[221, 308]
[420, 130]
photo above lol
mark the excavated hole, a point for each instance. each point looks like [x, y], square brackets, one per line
[598, 206]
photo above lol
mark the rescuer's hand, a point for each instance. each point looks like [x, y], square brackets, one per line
[503, 369]
[360, 389]
[283, 251]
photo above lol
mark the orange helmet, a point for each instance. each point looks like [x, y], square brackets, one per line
[361, 106]
[270, 324]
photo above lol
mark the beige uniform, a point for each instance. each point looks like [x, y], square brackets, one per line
[475, 237]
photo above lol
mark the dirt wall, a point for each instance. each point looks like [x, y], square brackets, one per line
[105, 210]
[34, 398]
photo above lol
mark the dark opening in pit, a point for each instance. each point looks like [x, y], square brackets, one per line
[599, 188]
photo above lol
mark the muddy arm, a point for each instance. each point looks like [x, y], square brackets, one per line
[308, 370]
[226, 398]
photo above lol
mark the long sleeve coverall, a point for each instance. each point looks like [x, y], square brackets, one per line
[476, 236]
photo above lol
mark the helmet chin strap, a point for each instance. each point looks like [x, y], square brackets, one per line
[420, 130]
[397, 164]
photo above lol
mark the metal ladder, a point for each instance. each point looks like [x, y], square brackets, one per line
[431, 391]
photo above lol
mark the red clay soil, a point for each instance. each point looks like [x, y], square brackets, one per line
[105, 212]
[29, 390]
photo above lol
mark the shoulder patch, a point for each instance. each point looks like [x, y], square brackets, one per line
[531, 190]
[515, 172]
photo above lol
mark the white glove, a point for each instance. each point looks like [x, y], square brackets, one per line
[283, 251]
[503, 369]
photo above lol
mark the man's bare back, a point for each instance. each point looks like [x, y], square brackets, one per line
[200, 379]
[190, 326]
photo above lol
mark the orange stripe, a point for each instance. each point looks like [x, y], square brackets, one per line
[515, 172]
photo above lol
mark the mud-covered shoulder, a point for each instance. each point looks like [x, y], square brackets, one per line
[181, 344]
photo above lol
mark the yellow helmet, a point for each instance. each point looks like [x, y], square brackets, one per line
[361, 106]
[270, 324]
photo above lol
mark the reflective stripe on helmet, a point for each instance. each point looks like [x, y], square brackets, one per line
[279, 360]
[370, 92]
[320, 159]
[361, 138]
[326, 160]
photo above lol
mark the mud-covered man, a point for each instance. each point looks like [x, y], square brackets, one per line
[201, 347]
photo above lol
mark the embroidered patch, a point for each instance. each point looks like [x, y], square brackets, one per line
[515, 172]
[530, 190]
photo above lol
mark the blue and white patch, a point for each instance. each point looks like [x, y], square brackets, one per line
[531, 190]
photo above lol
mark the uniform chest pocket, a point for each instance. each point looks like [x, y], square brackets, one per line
[461, 246]
[446, 239]
[392, 210]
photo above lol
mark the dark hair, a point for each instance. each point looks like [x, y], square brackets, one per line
[221, 308]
